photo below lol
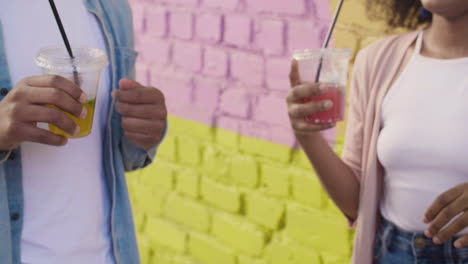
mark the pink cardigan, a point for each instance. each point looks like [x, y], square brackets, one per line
[374, 71]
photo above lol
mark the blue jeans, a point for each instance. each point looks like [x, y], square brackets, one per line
[394, 246]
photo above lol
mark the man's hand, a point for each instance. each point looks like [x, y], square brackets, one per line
[143, 111]
[25, 106]
[451, 205]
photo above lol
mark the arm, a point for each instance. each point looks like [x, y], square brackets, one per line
[339, 177]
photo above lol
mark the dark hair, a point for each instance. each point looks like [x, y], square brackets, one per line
[398, 13]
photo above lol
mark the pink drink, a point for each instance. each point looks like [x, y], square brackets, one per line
[329, 67]
[336, 113]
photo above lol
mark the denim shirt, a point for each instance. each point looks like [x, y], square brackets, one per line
[120, 155]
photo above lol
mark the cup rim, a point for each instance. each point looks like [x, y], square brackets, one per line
[305, 54]
[96, 61]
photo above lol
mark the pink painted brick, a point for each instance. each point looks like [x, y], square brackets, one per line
[194, 113]
[283, 135]
[269, 35]
[181, 24]
[272, 109]
[138, 11]
[216, 62]
[238, 30]
[155, 51]
[228, 123]
[142, 73]
[188, 56]
[277, 73]
[247, 68]
[304, 35]
[177, 87]
[157, 21]
[225, 4]
[255, 129]
[290, 7]
[188, 3]
[236, 102]
[321, 9]
[207, 92]
[209, 27]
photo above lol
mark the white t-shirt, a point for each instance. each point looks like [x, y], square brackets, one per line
[422, 144]
[66, 202]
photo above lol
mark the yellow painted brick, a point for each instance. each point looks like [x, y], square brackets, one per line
[300, 159]
[318, 229]
[146, 253]
[140, 221]
[194, 129]
[245, 171]
[333, 258]
[156, 195]
[306, 188]
[168, 148]
[227, 138]
[187, 212]
[188, 182]
[159, 174]
[209, 251]
[264, 211]
[306, 256]
[283, 250]
[242, 259]
[239, 233]
[266, 149]
[279, 253]
[167, 234]
[276, 180]
[220, 195]
[216, 163]
[182, 260]
[189, 151]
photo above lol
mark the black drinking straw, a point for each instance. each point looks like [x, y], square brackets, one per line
[65, 39]
[327, 39]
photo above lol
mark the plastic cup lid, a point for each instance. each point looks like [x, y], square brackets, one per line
[57, 59]
[316, 53]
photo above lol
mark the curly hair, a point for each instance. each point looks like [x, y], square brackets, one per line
[398, 13]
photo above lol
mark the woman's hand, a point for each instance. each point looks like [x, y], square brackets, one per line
[299, 109]
[451, 205]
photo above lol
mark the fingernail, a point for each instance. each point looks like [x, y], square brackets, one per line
[84, 112]
[327, 104]
[437, 241]
[323, 88]
[427, 234]
[77, 131]
[83, 98]
[458, 244]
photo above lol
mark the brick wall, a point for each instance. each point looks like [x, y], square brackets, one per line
[229, 185]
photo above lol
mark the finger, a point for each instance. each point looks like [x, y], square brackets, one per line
[143, 140]
[142, 126]
[461, 242]
[441, 202]
[300, 111]
[143, 111]
[58, 82]
[55, 97]
[50, 115]
[451, 230]
[32, 133]
[303, 127]
[127, 84]
[139, 96]
[445, 216]
[305, 91]
[294, 77]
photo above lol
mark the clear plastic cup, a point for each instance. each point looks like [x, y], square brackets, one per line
[85, 70]
[333, 76]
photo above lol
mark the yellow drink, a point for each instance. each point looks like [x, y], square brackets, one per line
[85, 124]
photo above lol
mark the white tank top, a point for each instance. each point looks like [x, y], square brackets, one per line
[423, 142]
[66, 205]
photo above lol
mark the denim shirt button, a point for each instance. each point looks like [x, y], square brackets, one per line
[15, 216]
[3, 91]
